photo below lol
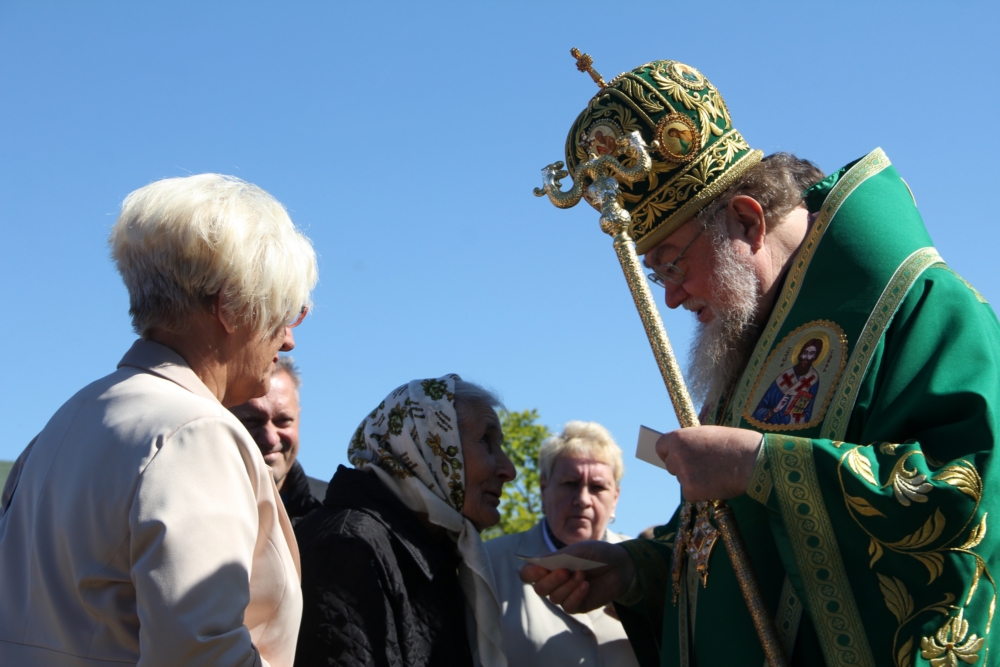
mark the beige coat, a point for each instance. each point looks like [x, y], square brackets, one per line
[537, 632]
[142, 527]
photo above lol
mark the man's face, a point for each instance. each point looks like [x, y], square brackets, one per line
[808, 355]
[721, 287]
[695, 293]
[273, 422]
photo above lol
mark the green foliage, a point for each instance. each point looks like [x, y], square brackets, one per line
[521, 503]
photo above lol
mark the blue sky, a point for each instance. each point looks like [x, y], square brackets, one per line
[405, 139]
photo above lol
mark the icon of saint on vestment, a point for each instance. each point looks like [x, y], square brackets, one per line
[795, 386]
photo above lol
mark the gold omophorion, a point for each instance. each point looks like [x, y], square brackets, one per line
[603, 172]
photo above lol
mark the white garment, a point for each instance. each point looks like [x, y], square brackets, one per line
[142, 527]
[538, 632]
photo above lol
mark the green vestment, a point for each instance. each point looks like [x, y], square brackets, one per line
[877, 383]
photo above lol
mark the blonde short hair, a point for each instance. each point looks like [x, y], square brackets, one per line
[581, 439]
[179, 242]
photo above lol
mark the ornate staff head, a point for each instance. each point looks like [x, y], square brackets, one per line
[694, 154]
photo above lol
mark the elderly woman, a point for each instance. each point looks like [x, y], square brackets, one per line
[580, 472]
[142, 526]
[393, 569]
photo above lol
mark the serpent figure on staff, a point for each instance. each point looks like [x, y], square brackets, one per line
[863, 513]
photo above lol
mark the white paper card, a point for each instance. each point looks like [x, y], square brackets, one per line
[556, 561]
[646, 451]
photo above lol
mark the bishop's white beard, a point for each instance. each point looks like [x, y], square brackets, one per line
[722, 347]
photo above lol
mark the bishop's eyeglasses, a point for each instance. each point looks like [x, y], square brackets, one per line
[670, 273]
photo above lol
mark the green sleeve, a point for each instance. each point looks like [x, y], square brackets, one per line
[887, 533]
[642, 618]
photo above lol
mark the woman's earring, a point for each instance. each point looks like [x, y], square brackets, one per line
[612, 519]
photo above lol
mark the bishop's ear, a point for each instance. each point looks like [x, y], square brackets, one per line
[746, 214]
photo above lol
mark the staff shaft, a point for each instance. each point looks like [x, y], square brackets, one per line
[657, 335]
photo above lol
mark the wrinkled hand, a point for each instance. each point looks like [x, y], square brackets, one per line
[710, 462]
[584, 591]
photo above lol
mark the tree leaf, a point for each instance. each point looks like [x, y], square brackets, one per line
[521, 502]
[897, 598]
[929, 532]
[861, 506]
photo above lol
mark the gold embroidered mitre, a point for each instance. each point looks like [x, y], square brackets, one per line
[696, 152]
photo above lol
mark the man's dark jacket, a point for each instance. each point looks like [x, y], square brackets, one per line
[379, 588]
[301, 494]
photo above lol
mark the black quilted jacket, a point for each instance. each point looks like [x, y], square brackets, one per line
[379, 588]
[301, 494]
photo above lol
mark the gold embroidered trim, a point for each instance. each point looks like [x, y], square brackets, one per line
[760, 484]
[892, 296]
[788, 617]
[868, 166]
[814, 544]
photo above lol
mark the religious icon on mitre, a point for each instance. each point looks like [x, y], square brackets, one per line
[687, 76]
[601, 138]
[796, 384]
[677, 138]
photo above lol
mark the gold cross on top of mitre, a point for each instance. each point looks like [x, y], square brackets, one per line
[585, 63]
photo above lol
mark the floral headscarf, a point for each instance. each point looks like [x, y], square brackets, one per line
[411, 443]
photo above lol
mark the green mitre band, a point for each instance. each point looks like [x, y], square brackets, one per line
[696, 152]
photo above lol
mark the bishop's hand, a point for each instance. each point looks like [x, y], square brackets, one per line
[710, 462]
[584, 591]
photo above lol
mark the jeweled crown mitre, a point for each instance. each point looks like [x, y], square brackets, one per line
[696, 153]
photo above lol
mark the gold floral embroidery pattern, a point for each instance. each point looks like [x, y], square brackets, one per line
[951, 643]
[908, 485]
[928, 545]
[900, 604]
[698, 180]
[868, 166]
[892, 296]
[824, 579]
[708, 104]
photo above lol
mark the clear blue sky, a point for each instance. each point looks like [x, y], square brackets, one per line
[405, 138]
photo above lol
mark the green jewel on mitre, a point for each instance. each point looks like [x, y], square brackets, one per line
[696, 152]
